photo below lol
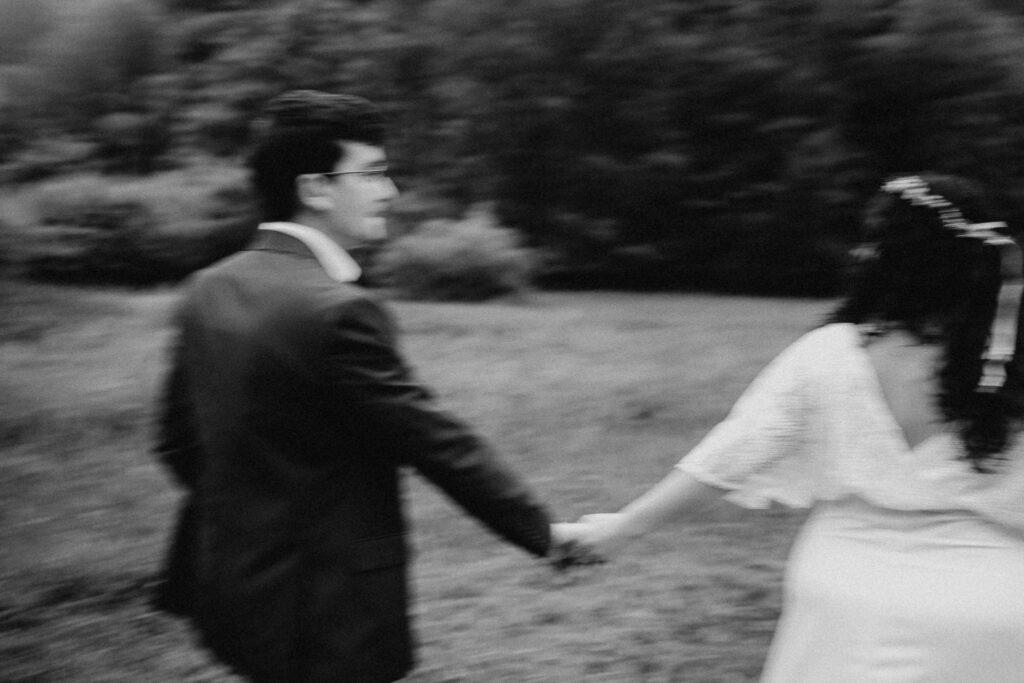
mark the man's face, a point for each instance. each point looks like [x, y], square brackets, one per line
[360, 192]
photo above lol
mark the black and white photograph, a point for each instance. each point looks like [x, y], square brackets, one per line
[511, 341]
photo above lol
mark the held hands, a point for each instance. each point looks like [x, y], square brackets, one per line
[598, 537]
[591, 540]
[567, 549]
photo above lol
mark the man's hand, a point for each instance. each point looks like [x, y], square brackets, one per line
[568, 547]
[592, 540]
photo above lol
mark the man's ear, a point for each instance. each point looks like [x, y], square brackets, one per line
[313, 192]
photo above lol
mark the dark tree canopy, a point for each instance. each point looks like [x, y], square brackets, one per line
[721, 144]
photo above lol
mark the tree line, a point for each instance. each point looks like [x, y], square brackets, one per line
[716, 144]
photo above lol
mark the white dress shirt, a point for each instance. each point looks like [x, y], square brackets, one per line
[335, 260]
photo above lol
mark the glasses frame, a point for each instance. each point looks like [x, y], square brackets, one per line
[382, 173]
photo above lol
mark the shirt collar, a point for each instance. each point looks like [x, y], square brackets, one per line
[333, 259]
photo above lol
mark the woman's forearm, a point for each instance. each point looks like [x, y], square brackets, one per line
[678, 496]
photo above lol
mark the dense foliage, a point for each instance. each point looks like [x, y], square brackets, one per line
[136, 232]
[465, 260]
[719, 144]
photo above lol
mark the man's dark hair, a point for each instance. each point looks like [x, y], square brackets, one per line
[298, 132]
[941, 288]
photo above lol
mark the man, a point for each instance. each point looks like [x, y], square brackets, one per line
[288, 413]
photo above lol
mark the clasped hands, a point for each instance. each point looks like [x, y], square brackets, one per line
[594, 539]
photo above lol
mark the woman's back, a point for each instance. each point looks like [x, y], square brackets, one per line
[906, 373]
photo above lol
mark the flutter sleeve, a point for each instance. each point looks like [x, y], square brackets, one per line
[762, 452]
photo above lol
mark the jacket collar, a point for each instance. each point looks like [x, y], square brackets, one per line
[335, 261]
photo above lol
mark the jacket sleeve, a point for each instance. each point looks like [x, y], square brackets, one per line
[369, 375]
[177, 442]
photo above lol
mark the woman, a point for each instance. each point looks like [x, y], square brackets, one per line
[897, 423]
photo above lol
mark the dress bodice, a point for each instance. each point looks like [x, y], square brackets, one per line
[815, 426]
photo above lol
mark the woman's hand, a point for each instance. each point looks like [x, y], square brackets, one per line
[604, 534]
[569, 548]
[593, 539]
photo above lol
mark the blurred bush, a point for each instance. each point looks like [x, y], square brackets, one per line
[456, 260]
[90, 229]
[48, 157]
[129, 142]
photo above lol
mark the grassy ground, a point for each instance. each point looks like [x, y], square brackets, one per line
[592, 397]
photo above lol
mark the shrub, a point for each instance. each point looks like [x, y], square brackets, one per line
[466, 260]
[137, 232]
[46, 158]
[7, 249]
[130, 142]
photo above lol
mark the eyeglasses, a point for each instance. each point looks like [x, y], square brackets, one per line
[375, 174]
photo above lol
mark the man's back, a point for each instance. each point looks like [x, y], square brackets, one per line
[303, 411]
[298, 507]
[289, 409]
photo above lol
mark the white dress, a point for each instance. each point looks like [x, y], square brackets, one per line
[910, 567]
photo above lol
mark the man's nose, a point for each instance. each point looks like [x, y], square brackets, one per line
[390, 190]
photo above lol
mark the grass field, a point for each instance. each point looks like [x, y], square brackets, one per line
[591, 397]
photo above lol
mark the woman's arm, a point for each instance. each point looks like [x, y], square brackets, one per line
[765, 430]
[678, 496]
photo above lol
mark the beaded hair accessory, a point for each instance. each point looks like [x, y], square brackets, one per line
[1002, 340]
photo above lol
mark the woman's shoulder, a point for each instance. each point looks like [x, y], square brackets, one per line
[836, 333]
[825, 351]
[827, 340]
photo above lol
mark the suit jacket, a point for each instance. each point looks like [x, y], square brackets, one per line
[287, 415]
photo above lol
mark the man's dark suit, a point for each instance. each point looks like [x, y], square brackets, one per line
[288, 413]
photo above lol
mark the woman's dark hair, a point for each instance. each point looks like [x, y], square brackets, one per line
[299, 133]
[922, 276]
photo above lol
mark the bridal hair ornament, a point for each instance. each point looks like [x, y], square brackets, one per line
[1002, 339]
